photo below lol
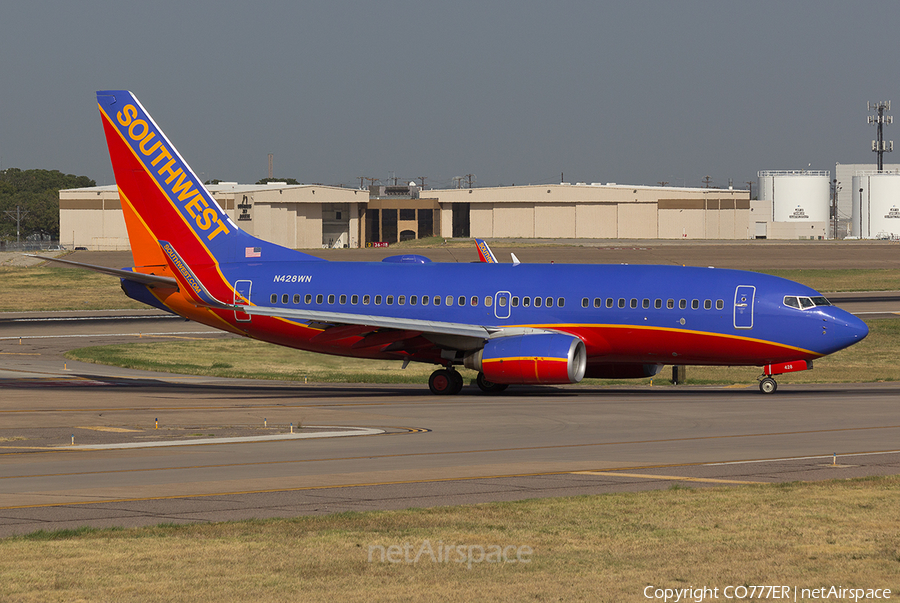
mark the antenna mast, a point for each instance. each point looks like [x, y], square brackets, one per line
[881, 146]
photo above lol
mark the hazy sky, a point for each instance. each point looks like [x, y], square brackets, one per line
[515, 92]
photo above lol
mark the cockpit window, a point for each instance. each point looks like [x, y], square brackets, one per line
[803, 303]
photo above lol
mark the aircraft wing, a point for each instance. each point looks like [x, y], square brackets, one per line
[151, 280]
[344, 318]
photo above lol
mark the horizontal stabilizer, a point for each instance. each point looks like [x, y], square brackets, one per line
[150, 280]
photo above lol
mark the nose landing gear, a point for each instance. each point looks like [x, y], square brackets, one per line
[767, 385]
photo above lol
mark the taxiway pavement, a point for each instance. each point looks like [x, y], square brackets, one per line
[531, 442]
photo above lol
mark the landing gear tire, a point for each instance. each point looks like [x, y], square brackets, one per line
[489, 387]
[445, 382]
[768, 385]
[458, 382]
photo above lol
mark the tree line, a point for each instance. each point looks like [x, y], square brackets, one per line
[36, 193]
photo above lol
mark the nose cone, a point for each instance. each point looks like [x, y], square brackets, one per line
[846, 328]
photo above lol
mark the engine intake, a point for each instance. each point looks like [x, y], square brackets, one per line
[547, 358]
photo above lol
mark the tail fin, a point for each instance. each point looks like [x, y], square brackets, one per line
[163, 199]
[485, 255]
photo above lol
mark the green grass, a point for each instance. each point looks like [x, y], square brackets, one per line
[872, 360]
[49, 288]
[248, 358]
[843, 280]
[586, 548]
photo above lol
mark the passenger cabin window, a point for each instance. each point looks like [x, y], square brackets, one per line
[645, 304]
[585, 302]
[598, 302]
[634, 302]
[274, 298]
[390, 300]
[670, 303]
[695, 304]
[377, 300]
[707, 304]
[720, 304]
[354, 299]
[331, 298]
[473, 300]
[343, 298]
[319, 298]
[621, 302]
[682, 304]
[285, 296]
[526, 301]
[515, 302]
[437, 300]
[462, 300]
[449, 300]
[401, 300]
[548, 302]
[366, 299]
[657, 304]
[537, 302]
[413, 300]
[308, 299]
[501, 302]
[560, 302]
[609, 302]
[488, 301]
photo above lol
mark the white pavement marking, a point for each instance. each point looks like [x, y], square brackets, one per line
[347, 431]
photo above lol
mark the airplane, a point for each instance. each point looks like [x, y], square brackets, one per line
[517, 323]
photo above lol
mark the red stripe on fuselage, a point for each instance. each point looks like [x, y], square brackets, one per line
[623, 343]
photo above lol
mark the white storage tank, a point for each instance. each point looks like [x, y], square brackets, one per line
[876, 205]
[796, 196]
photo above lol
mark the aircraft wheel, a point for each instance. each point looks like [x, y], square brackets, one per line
[768, 386]
[443, 383]
[489, 387]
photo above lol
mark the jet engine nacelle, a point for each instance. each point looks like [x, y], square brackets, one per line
[547, 358]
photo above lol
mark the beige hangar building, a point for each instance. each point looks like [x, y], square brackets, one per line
[310, 216]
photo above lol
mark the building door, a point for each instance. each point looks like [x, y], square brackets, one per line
[743, 306]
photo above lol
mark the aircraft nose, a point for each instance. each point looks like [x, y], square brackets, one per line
[848, 329]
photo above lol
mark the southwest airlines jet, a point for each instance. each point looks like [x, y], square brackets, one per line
[513, 323]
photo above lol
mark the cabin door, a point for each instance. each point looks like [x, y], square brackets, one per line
[501, 304]
[242, 297]
[743, 306]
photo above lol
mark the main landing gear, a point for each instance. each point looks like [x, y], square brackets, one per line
[489, 387]
[445, 382]
[448, 382]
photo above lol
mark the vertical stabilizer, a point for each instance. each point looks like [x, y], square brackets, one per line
[163, 199]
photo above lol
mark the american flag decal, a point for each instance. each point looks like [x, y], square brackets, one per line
[252, 252]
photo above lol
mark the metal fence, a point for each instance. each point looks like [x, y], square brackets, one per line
[32, 245]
